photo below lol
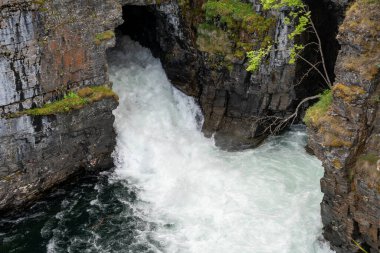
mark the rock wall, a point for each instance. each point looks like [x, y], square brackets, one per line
[206, 60]
[347, 138]
[48, 47]
[38, 152]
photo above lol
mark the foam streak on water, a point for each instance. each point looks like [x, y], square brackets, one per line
[202, 199]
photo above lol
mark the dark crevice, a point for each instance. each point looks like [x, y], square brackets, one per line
[140, 24]
[326, 16]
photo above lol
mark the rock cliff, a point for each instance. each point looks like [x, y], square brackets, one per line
[204, 56]
[51, 47]
[347, 138]
[46, 49]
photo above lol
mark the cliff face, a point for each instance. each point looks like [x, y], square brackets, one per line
[38, 152]
[46, 49]
[204, 56]
[347, 138]
[50, 47]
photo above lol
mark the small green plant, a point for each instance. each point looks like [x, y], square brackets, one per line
[319, 109]
[232, 28]
[71, 95]
[104, 36]
[255, 57]
[300, 16]
[229, 12]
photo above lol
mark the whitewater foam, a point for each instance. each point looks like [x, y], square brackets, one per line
[202, 199]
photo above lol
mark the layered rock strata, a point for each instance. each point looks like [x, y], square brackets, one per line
[205, 58]
[347, 138]
[48, 47]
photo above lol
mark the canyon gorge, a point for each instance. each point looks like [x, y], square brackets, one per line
[62, 105]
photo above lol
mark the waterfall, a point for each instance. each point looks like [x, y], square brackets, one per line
[203, 199]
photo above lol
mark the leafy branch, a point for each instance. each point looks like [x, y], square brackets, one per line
[301, 17]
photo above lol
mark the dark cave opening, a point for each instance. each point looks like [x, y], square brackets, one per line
[161, 31]
[140, 24]
[326, 17]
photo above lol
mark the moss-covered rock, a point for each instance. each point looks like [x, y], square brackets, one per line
[234, 28]
[71, 101]
[319, 109]
[104, 36]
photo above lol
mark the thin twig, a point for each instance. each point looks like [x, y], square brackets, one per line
[325, 78]
[306, 74]
[320, 51]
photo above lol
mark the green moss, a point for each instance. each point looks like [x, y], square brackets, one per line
[370, 158]
[71, 101]
[232, 29]
[104, 36]
[229, 12]
[237, 15]
[213, 40]
[39, 2]
[319, 109]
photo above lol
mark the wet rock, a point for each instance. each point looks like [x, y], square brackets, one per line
[38, 152]
[46, 49]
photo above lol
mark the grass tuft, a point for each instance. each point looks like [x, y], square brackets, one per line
[71, 101]
[104, 36]
[319, 109]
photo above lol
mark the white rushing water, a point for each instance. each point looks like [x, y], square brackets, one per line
[205, 200]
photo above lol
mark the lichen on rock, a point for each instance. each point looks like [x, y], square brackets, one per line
[347, 138]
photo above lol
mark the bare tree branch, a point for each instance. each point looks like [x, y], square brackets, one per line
[320, 52]
[325, 78]
[279, 123]
[306, 74]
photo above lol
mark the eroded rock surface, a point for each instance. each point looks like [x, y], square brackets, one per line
[46, 49]
[38, 152]
[207, 61]
[347, 138]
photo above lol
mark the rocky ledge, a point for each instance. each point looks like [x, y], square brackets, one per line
[38, 152]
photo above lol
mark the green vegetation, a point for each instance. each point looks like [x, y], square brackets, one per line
[104, 36]
[231, 29]
[370, 158]
[234, 14]
[39, 2]
[71, 101]
[212, 39]
[71, 95]
[319, 109]
[255, 57]
[298, 16]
